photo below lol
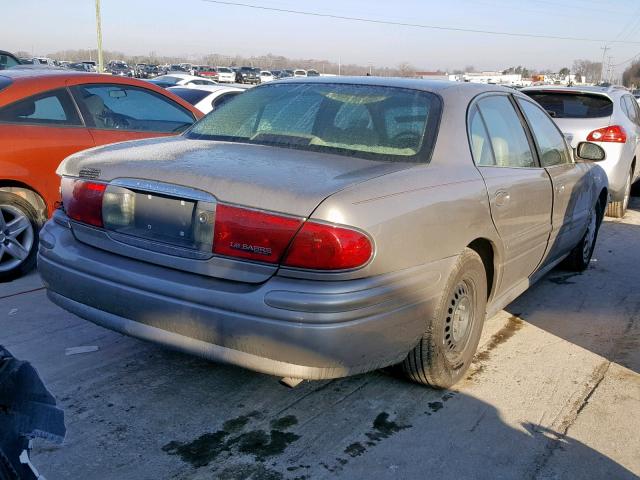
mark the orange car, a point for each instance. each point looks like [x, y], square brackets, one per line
[46, 115]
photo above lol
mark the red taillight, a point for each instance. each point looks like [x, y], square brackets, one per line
[614, 133]
[252, 234]
[319, 246]
[82, 200]
[264, 237]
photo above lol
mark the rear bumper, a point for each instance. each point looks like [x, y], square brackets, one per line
[286, 327]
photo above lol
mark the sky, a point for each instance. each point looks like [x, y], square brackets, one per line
[191, 28]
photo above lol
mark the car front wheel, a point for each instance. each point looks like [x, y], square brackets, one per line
[451, 338]
[18, 236]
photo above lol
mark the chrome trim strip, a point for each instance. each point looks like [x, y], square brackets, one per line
[163, 188]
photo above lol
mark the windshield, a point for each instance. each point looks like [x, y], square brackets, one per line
[380, 123]
[573, 104]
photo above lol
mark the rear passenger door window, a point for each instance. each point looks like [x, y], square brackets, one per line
[508, 138]
[630, 106]
[479, 138]
[123, 107]
[551, 145]
[51, 108]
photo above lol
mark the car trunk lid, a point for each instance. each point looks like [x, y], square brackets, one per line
[163, 194]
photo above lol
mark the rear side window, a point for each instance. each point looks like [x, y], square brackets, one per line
[480, 142]
[630, 107]
[508, 138]
[50, 108]
[573, 105]
[551, 144]
[124, 107]
[7, 61]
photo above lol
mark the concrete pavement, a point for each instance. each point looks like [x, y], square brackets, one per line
[554, 393]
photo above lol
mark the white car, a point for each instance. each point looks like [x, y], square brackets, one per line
[204, 97]
[266, 76]
[180, 79]
[299, 73]
[226, 75]
[608, 116]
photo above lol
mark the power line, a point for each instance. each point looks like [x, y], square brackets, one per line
[415, 25]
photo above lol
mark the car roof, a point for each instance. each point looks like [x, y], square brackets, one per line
[184, 76]
[612, 90]
[33, 81]
[208, 88]
[410, 83]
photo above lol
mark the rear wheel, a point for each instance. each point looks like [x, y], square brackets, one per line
[18, 236]
[452, 334]
[579, 258]
[618, 209]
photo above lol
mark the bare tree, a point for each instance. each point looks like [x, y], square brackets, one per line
[589, 71]
[405, 69]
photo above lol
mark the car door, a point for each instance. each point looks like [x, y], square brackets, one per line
[520, 192]
[36, 134]
[119, 112]
[572, 198]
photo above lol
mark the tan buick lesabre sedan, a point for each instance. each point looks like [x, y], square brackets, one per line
[317, 228]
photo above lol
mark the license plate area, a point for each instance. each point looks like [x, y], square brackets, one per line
[168, 219]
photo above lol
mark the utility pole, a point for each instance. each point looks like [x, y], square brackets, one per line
[604, 53]
[99, 33]
[610, 68]
[339, 66]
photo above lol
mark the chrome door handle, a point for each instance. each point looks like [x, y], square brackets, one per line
[501, 198]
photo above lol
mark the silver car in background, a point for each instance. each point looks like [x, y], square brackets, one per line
[608, 116]
[317, 228]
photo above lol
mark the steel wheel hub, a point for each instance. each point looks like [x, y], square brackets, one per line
[589, 237]
[16, 237]
[459, 318]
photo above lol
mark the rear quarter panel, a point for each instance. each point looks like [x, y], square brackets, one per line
[415, 216]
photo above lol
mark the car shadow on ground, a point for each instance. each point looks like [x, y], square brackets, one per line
[602, 291]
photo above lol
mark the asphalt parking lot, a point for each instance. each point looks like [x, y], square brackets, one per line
[554, 393]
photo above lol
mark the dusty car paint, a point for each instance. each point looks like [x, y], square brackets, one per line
[311, 324]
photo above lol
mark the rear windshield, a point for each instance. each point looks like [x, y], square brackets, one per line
[379, 123]
[573, 105]
[191, 95]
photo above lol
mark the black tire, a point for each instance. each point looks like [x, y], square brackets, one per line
[579, 258]
[440, 360]
[10, 267]
[619, 209]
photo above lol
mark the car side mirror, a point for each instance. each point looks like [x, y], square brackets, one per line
[590, 152]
